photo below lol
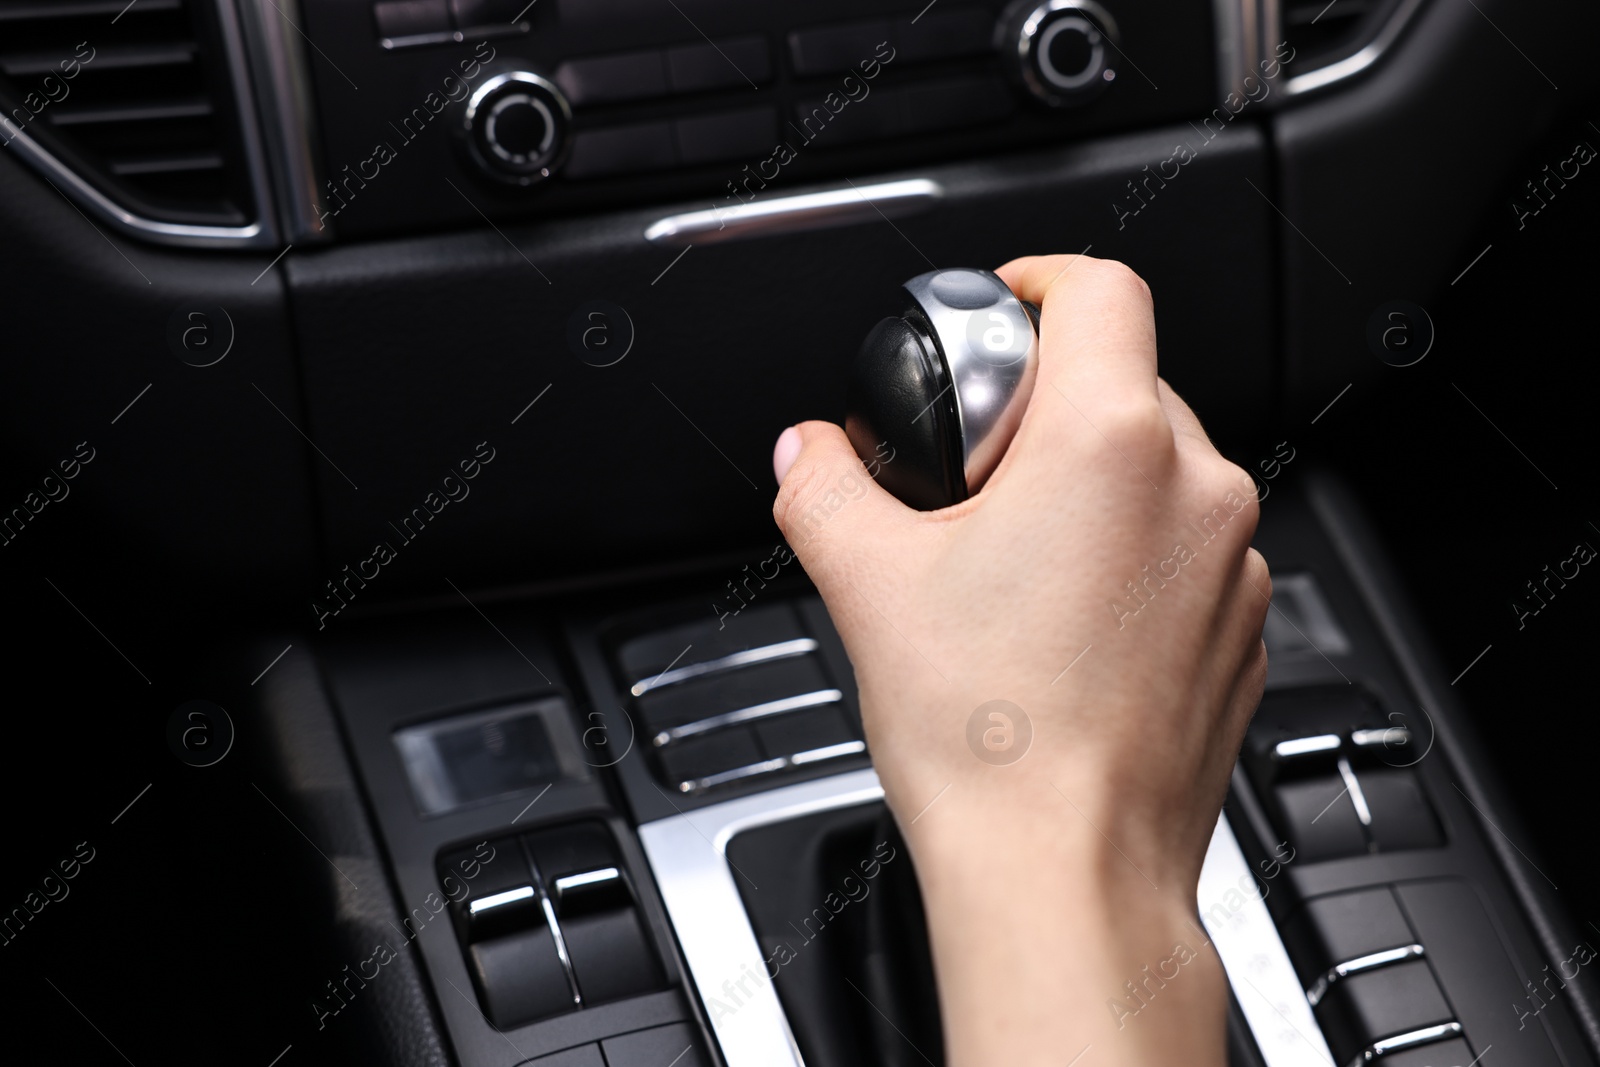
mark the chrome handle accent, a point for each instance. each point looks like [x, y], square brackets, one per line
[748, 658]
[1368, 56]
[820, 698]
[773, 766]
[500, 900]
[1425, 1036]
[795, 214]
[566, 885]
[1361, 963]
[1305, 746]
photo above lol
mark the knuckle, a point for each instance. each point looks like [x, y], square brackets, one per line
[1118, 278]
[797, 497]
[1258, 574]
[1138, 425]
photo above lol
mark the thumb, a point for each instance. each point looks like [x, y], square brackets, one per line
[829, 508]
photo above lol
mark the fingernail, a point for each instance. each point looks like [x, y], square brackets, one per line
[785, 452]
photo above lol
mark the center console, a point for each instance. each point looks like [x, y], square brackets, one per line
[630, 830]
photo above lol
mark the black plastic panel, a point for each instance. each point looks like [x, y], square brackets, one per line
[416, 351]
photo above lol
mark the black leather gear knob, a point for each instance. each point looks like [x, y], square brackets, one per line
[936, 392]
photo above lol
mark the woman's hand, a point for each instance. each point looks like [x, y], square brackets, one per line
[1101, 586]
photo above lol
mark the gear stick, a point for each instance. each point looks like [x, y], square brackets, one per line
[944, 384]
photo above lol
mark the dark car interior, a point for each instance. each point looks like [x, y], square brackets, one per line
[406, 668]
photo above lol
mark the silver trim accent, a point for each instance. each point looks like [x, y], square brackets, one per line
[734, 660]
[262, 233]
[1425, 1036]
[819, 698]
[578, 881]
[1357, 797]
[688, 855]
[991, 385]
[1352, 65]
[1381, 738]
[773, 766]
[498, 900]
[794, 214]
[1369, 962]
[1305, 746]
[277, 63]
[1263, 980]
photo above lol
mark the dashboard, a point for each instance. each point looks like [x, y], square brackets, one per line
[436, 348]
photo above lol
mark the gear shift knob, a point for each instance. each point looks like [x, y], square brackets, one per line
[943, 384]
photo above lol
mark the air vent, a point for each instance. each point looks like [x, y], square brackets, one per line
[1322, 33]
[132, 97]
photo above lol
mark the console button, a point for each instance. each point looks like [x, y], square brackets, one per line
[703, 698]
[621, 149]
[701, 757]
[1371, 1005]
[943, 35]
[519, 977]
[688, 644]
[804, 731]
[1402, 818]
[582, 1056]
[1320, 818]
[828, 49]
[1060, 50]
[678, 1044]
[729, 135]
[1343, 927]
[472, 14]
[624, 76]
[411, 18]
[731, 61]
[1452, 1053]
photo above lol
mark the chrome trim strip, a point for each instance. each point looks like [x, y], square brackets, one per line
[1350, 66]
[561, 947]
[1368, 962]
[1263, 980]
[748, 658]
[817, 699]
[1305, 746]
[1357, 797]
[510, 896]
[578, 881]
[793, 214]
[1381, 738]
[284, 95]
[688, 856]
[772, 766]
[1426, 1036]
[817, 755]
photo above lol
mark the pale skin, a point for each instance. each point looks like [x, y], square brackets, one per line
[1052, 881]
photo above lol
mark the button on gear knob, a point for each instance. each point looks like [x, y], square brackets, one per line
[943, 385]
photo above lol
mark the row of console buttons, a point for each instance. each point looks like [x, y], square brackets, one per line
[406, 23]
[730, 62]
[754, 133]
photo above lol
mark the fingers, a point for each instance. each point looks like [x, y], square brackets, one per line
[829, 508]
[1185, 424]
[1097, 326]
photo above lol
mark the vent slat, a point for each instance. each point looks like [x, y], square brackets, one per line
[18, 12]
[124, 57]
[138, 111]
[174, 163]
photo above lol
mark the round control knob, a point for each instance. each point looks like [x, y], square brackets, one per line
[516, 127]
[1060, 50]
[937, 392]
